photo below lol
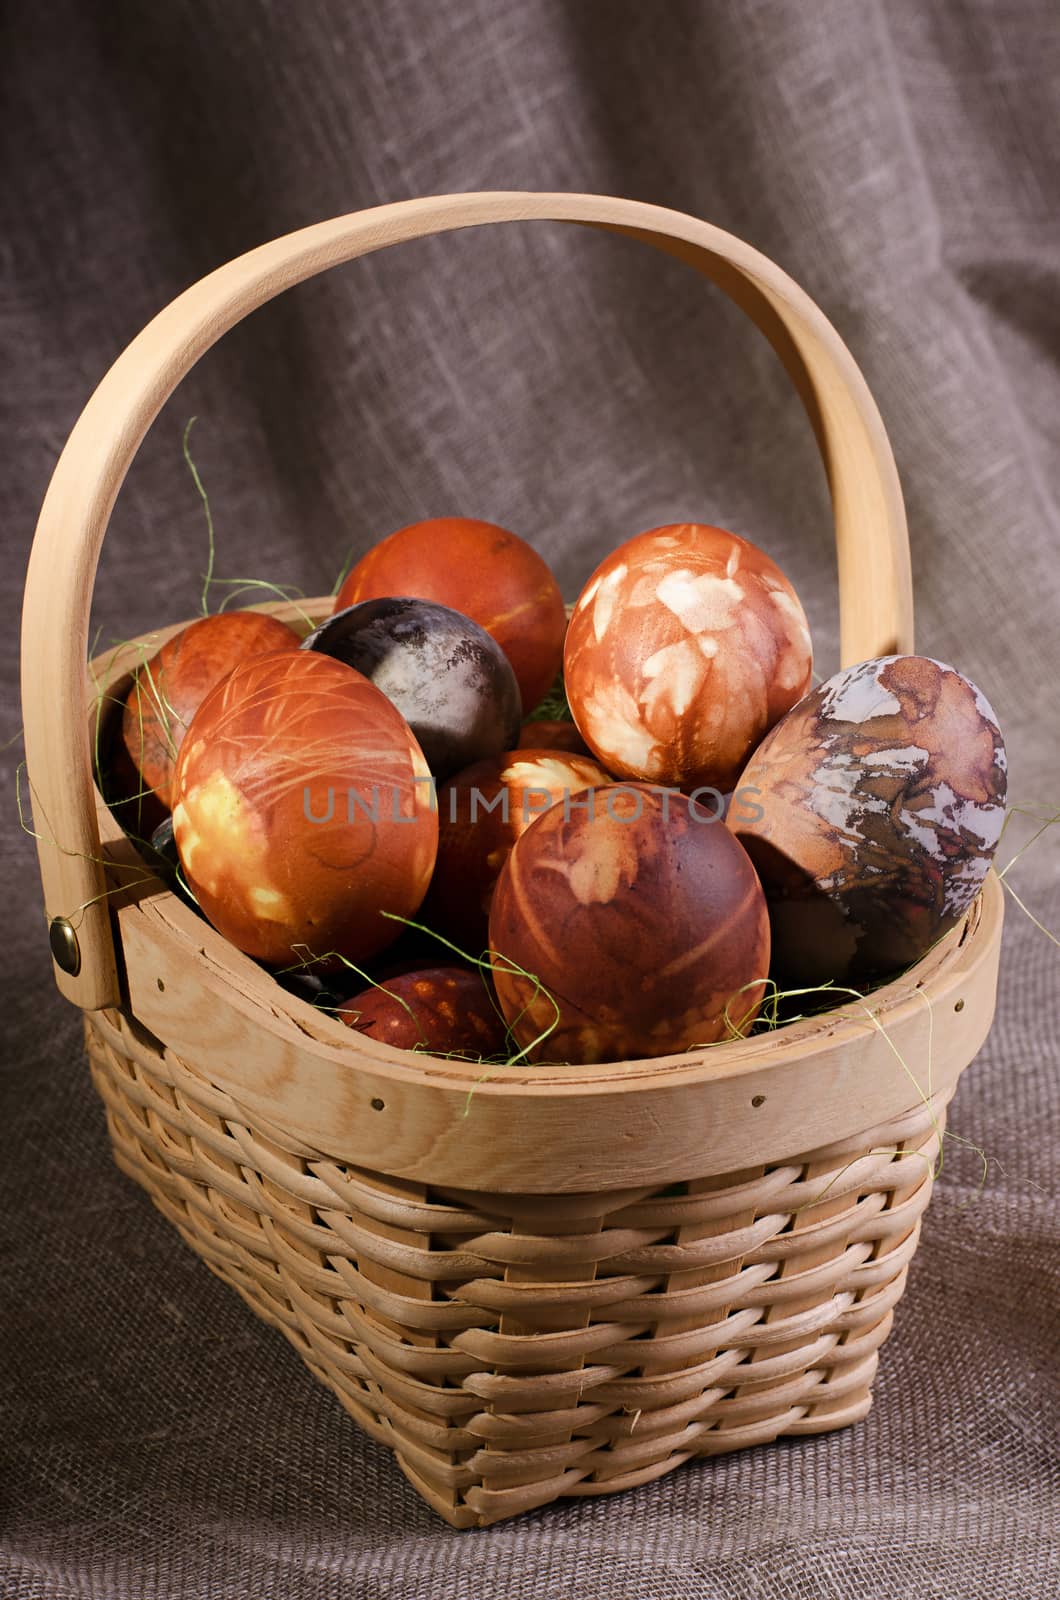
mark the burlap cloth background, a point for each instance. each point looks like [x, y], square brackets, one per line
[900, 160]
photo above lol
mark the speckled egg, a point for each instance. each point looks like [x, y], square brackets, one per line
[441, 1010]
[304, 811]
[451, 682]
[483, 571]
[481, 813]
[880, 802]
[169, 689]
[686, 645]
[644, 923]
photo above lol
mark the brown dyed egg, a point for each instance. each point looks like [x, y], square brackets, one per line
[304, 811]
[686, 645]
[170, 688]
[443, 1010]
[872, 813]
[489, 574]
[481, 813]
[643, 923]
[552, 736]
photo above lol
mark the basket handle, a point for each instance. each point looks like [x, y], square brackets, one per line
[874, 580]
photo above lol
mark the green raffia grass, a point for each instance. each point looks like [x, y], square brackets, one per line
[1049, 820]
[344, 572]
[193, 469]
[236, 586]
[554, 707]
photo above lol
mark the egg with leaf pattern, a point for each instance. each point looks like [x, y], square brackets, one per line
[629, 925]
[686, 645]
[304, 819]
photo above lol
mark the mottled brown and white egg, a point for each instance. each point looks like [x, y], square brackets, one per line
[643, 923]
[685, 647]
[481, 813]
[880, 802]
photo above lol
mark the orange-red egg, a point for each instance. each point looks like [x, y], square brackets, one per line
[170, 688]
[303, 811]
[645, 929]
[442, 1010]
[489, 574]
[686, 645]
[872, 812]
[481, 813]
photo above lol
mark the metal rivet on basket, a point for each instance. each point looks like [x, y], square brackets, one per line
[377, 1104]
[64, 946]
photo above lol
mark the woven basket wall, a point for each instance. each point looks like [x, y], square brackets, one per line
[514, 1349]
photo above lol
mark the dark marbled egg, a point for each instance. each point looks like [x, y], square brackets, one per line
[881, 798]
[450, 680]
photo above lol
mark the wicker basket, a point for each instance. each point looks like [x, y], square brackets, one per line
[553, 1281]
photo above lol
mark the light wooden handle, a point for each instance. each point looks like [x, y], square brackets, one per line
[874, 581]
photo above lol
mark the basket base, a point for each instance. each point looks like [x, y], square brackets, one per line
[513, 1349]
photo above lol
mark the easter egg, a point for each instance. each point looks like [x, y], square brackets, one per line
[875, 808]
[481, 813]
[645, 929]
[442, 1010]
[686, 645]
[168, 689]
[303, 811]
[451, 682]
[548, 735]
[482, 570]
